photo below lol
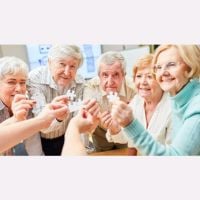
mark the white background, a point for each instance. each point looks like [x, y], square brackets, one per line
[99, 22]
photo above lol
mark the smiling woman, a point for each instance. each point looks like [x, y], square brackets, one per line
[13, 77]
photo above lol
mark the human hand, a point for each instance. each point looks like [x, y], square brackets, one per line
[21, 106]
[92, 107]
[62, 100]
[108, 122]
[122, 113]
[52, 111]
[87, 118]
[84, 121]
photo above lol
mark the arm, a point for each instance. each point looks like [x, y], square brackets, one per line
[12, 134]
[84, 121]
[37, 93]
[186, 142]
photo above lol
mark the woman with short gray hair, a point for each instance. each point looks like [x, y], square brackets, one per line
[13, 77]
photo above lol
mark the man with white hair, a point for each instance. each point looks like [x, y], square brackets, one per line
[111, 78]
[55, 79]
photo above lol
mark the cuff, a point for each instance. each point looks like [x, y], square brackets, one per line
[134, 129]
[117, 138]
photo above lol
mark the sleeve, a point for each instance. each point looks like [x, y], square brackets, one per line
[117, 138]
[186, 142]
[36, 92]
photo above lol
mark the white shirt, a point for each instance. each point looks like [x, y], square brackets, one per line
[159, 126]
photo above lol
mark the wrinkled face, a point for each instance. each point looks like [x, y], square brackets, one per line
[63, 70]
[171, 71]
[12, 85]
[111, 77]
[146, 85]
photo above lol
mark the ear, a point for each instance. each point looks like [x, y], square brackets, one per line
[188, 73]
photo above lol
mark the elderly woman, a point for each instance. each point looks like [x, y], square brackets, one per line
[147, 106]
[177, 69]
[48, 82]
[13, 77]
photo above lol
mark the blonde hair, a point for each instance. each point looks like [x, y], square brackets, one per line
[143, 62]
[190, 55]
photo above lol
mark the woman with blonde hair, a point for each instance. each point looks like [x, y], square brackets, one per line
[147, 105]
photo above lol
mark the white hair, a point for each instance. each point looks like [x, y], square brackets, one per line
[12, 65]
[110, 58]
[63, 51]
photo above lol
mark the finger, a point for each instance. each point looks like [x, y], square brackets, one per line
[62, 98]
[18, 97]
[96, 113]
[104, 114]
[56, 105]
[90, 104]
[23, 106]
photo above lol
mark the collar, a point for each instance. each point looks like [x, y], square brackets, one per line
[48, 79]
[2, 105]
[186, 93]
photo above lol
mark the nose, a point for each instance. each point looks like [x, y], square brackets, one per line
[18, 88]
[144, 80]
[67, 70]
[110, 80]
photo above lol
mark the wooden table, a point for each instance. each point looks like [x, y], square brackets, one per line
[117, 152]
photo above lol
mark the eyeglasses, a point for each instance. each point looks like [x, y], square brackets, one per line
[168, 66]
[13, 84]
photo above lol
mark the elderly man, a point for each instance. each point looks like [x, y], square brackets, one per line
[111, 78]
[55, 79]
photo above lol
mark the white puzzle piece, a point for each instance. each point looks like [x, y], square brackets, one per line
[71, 95]
[75, 105]
[112, 96]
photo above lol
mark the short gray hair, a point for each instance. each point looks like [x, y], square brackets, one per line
[110, 58]
[10, 65]
[63, 51]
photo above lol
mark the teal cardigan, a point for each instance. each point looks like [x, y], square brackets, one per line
[186, 126]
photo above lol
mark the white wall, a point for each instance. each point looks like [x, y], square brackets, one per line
[14, 50]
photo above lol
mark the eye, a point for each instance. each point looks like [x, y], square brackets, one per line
[158, 67]
[72, 67]
[150, 76]
[116, 75]
[61, 64]
[23, 83]
[104, 75]
[11, 83]
[138, 76]
[171, 64]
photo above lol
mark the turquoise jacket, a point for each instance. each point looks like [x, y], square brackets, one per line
[186, 126]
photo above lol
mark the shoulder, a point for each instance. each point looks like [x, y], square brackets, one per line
[38, 73]
[93, 83]
[79, 79]
[193, 107]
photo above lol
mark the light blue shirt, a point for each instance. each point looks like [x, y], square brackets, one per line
[186, 126]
